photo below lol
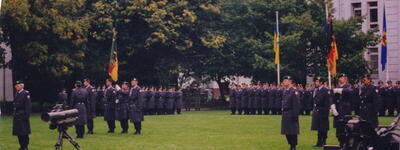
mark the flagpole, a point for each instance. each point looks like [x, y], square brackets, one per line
[327, 19]
[277, 34]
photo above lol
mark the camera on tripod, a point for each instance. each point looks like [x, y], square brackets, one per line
[60, 115]
[61, 118]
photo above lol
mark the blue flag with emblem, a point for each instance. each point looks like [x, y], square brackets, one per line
[384, 42]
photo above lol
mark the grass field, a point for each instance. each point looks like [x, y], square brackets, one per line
[200, 130]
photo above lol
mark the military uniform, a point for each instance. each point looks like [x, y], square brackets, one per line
[150, 102]
[397, 94]
[245, 101]
[62, 98]
[122, 109]
[320, 116]
[178, 101]
[252, 100]
[382, 108]
[278, 100]
[232, 101]
[109, 107]
[356, 101]
[22, 110]
[239, 101]
[368, 102]
[258, 104]
[169, 104]
[79, 97]
[135, 105]
[389, 100]
[91, 107]
[271, 102]
[290, 115]
[308, 101]
[265, 100]
[158, 102]
[343, 106]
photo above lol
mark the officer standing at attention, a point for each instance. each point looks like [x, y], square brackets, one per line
[91, 104]
[136, 112]
[341, 107]
[290, 112]
[381, 89]
[62, 97]
[22, 110]
[369, 100]
[79, 97]
[109, 105]
[122, 107]
[320, 116]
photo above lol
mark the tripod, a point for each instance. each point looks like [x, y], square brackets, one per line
[62, 133]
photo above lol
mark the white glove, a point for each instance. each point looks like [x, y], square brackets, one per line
[117, 87]
[333, 110]
[117, 101]
[338, 90]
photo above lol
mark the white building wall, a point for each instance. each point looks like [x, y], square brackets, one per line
[6, 86]
[344, 10]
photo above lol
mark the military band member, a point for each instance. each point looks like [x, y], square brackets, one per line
[79, 97]
[368, 101]
[109, 105]
[341, 107]
[122, 107]
[91, 104]
[22, 110]
[290, 112]
[136, 112]
[320, 116]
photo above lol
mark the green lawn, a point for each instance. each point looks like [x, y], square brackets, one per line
[200, 130]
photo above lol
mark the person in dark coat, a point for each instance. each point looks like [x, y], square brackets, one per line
[62, 97]
[99, 100]
[79, 98]
[258, 104]
[239, 100]
[341, 107]
[136, 112]
[278, 99]
[245, 99]
[232, 99]
[169, 104]
[290, 112]
[381, 90]
[178, 101]
[320, 116]
[252, 99]
[389, 98]
[158, 101]
[109, 98]
[161, 102]
[272, 94]
[397, 94]
[122, 107]
[91, 104]
[368, 101]
[265, 99]
[308, 100]
[22, 110]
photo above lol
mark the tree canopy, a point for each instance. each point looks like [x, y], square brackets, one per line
[58, 41]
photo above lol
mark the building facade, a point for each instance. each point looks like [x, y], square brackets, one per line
[6, 81]
[373, 10]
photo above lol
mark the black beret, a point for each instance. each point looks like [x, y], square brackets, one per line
[127, 83]
[109, 79]
[79, 83]
[86, 80]
[134, 79]
[380, 82]
[367, 76]
[389, 82]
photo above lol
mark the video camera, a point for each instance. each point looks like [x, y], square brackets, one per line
[60, 115]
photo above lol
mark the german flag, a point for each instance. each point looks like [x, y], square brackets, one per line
[333, 54]
[113, 64]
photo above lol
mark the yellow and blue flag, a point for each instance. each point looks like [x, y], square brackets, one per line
[384, 42]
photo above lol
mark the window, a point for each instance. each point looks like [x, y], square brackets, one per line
[357, 9]
[373, 14]
[374, 60]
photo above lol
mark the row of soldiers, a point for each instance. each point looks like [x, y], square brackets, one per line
[267, 98]
[117, 103]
